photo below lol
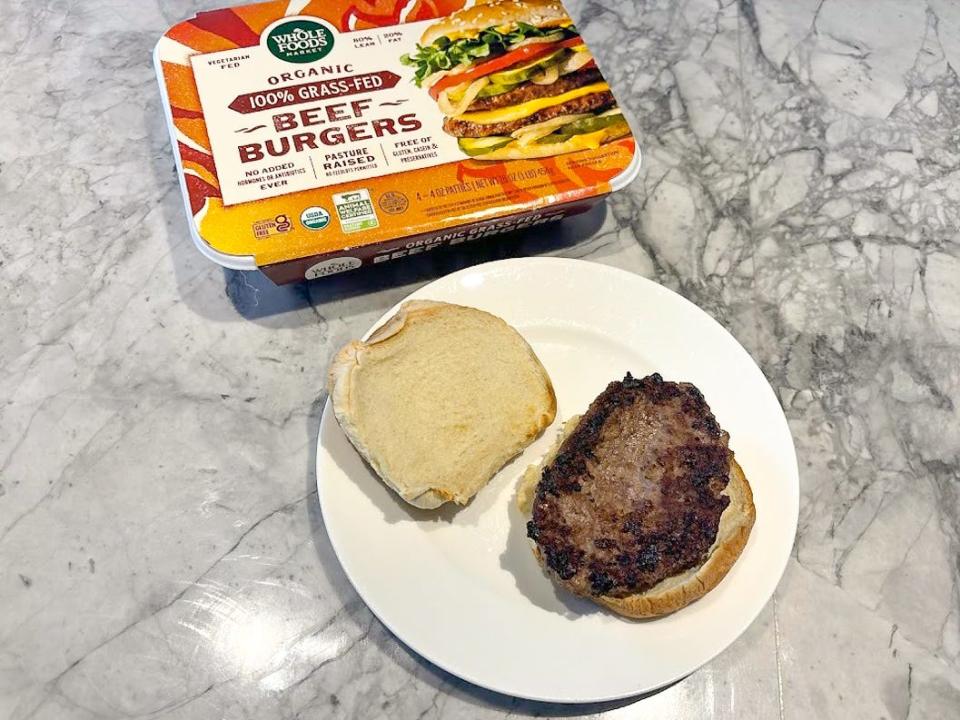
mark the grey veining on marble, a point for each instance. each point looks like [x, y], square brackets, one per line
[161, 547]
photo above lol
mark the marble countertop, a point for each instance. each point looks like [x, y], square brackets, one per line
[161, 545]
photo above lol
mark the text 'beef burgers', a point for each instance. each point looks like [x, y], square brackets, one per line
[515, 80]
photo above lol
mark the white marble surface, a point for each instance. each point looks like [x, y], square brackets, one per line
[161, 548]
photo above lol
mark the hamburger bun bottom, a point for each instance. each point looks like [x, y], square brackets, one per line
[677, 591]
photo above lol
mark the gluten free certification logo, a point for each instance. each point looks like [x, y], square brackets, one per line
[355, 210]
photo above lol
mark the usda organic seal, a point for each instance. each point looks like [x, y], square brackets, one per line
[315, 218]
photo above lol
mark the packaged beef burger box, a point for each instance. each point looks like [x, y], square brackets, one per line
[317, 136]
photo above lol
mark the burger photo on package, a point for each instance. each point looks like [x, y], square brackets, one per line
[514, 80]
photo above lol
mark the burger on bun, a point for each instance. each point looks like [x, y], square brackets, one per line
[514, 80]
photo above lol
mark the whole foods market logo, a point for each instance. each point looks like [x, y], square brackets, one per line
[300, 41]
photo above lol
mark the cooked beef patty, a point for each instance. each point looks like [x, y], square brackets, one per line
[532, 91]
[634, 493]
[587, 103]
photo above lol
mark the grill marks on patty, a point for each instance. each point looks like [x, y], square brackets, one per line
[588, 103]
[532, 91]
[635, 494]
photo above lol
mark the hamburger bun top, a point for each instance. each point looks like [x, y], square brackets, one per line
[501, 14]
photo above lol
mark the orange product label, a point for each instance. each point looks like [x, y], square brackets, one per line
[304, 129]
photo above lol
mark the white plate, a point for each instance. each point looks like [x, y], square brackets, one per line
[462, 587]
